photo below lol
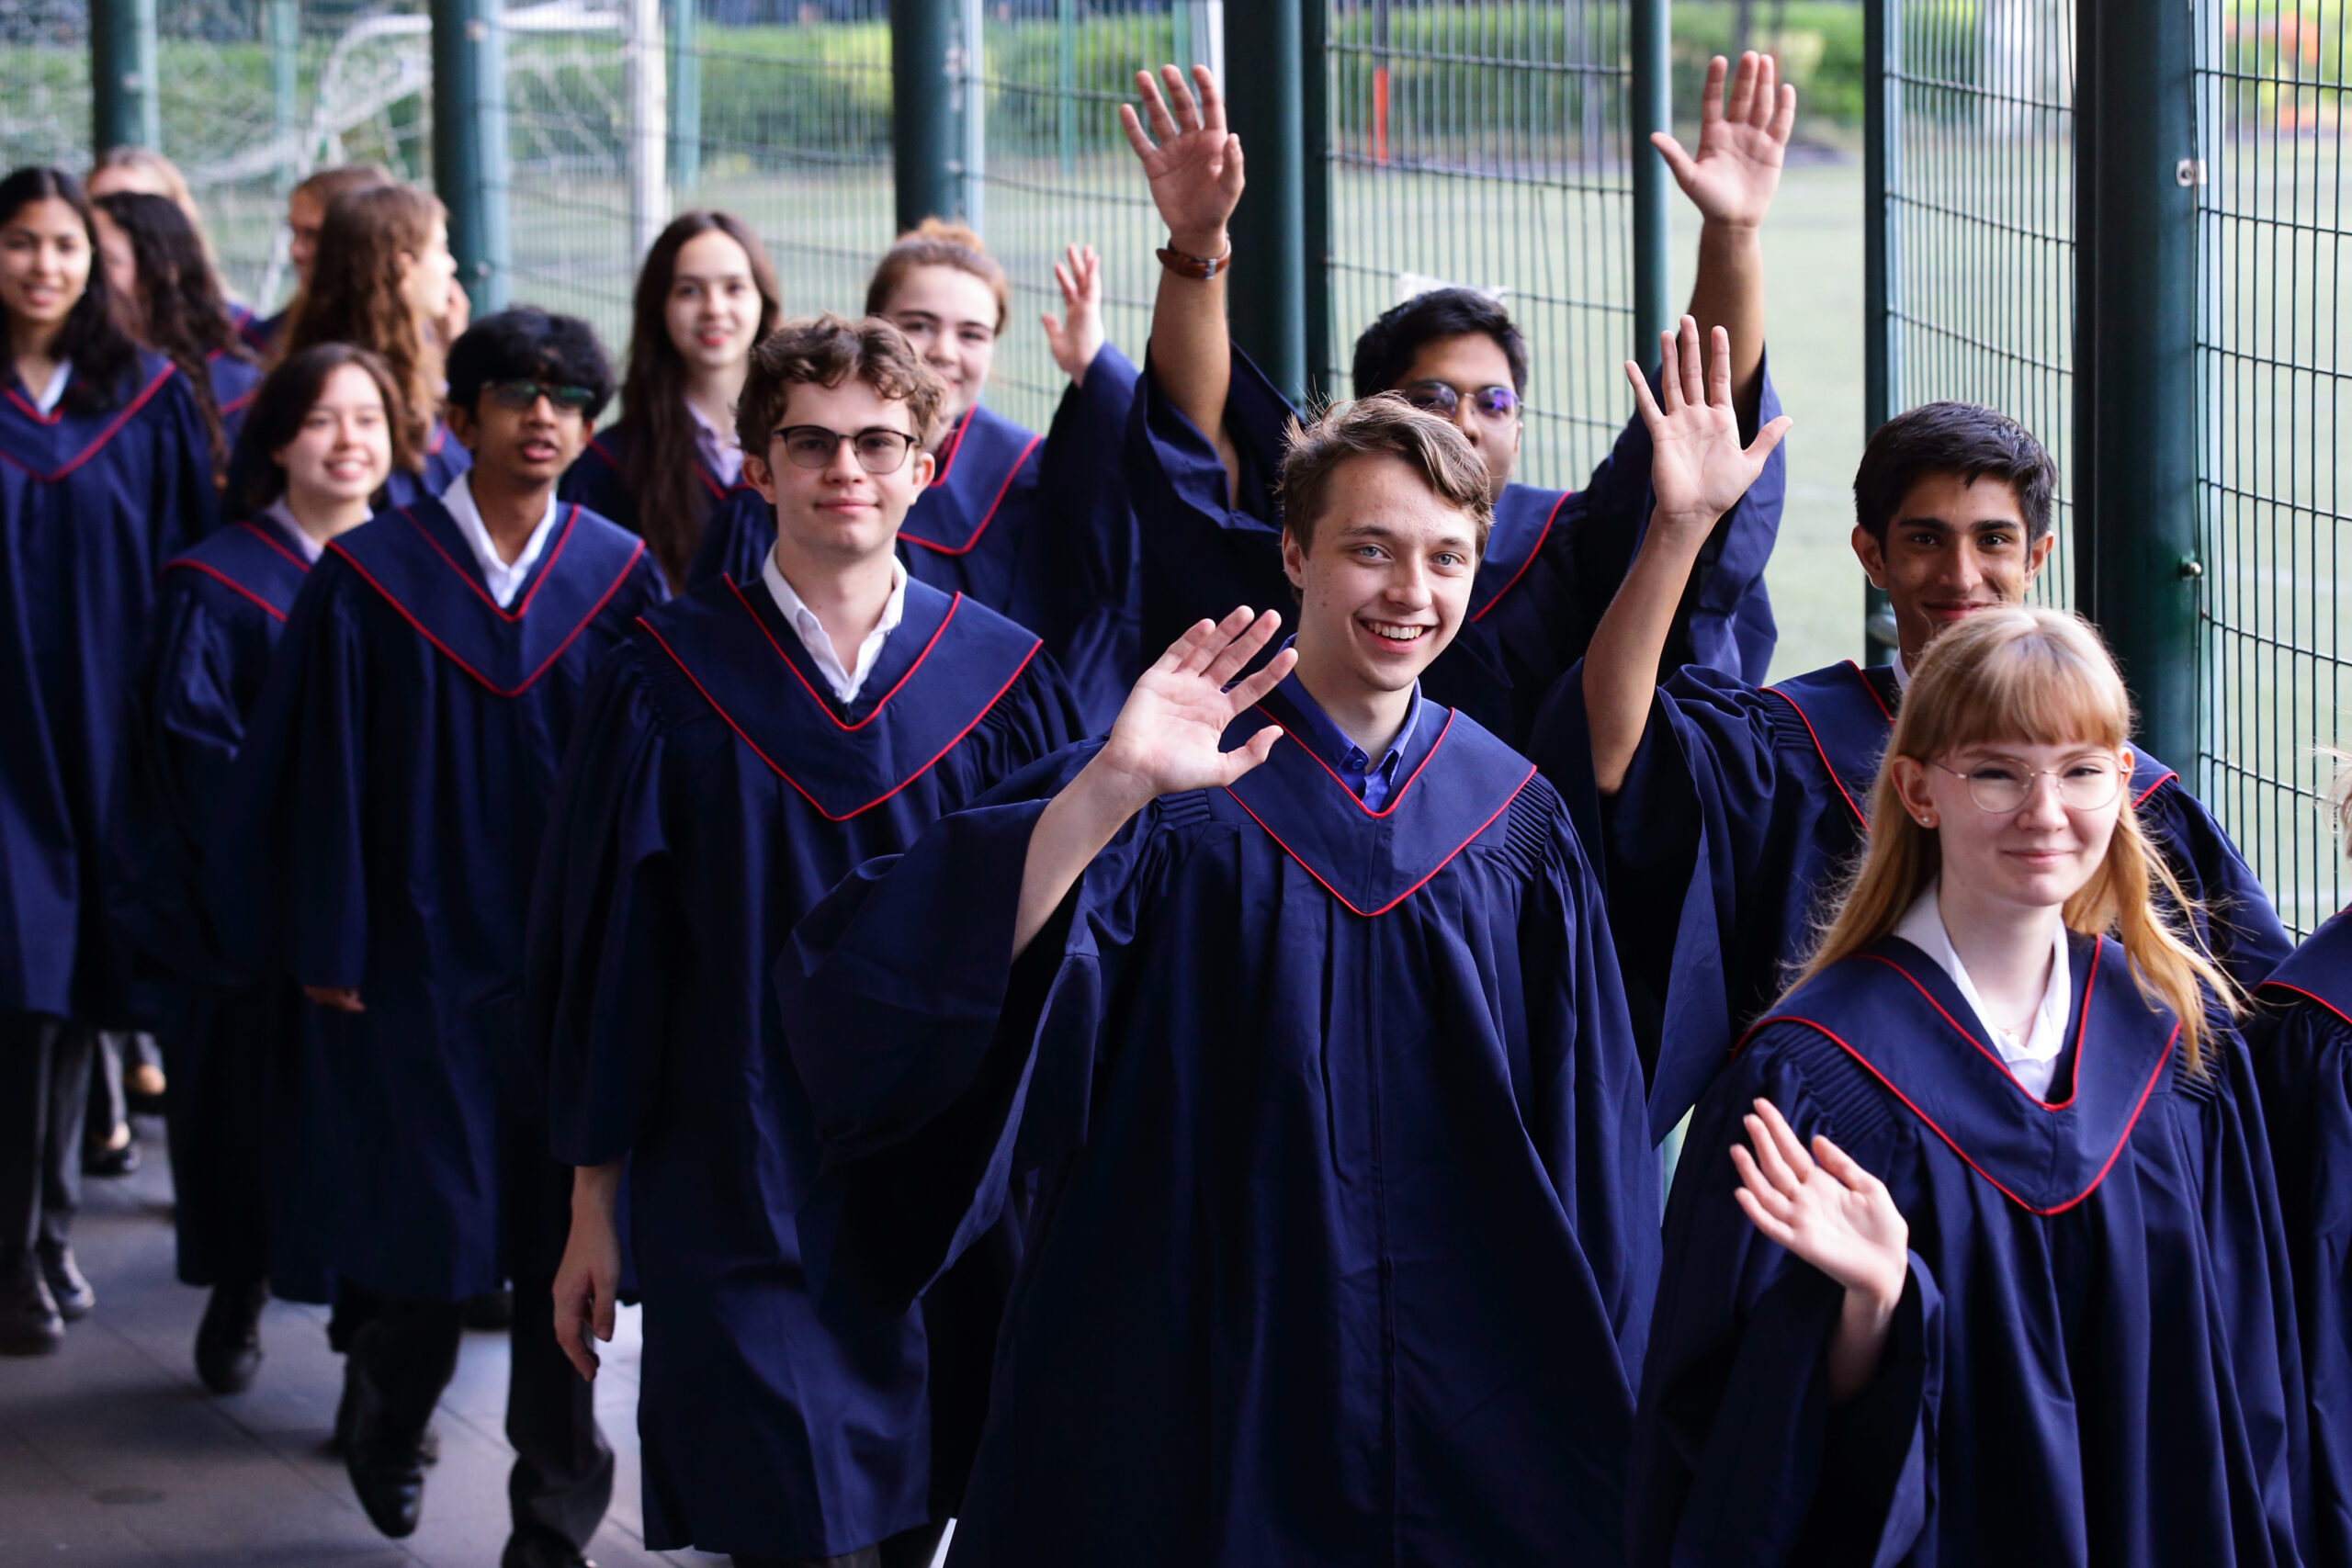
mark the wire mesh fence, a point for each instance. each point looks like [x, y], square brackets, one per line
[2273, 239]
[1485, 145]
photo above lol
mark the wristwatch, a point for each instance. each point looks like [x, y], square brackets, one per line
[1200, 268]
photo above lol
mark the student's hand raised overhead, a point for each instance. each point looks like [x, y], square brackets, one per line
[1165, 740]
[1192, 162]
[1698, 469]
[1075, 335]
[1736, 171]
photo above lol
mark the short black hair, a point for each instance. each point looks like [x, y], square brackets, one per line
[527, 344]
[1966, 439]
[1388, 346]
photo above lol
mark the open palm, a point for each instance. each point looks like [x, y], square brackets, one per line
[1736, 171]
[1166, 737]
[1192, 162]
[1698, 469]
[1822, 1206]
[1076, 337]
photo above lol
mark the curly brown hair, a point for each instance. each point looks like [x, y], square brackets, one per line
[355, 294]
[825, 351]
[1385, 426]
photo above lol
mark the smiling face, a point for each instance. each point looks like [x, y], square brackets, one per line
[1467, 364]
[2043, 852]
[1952, 548]
[45, 262]
[713, 309]
[343, 449]
[950, 316]
[523, 448]
[839, 515]
[1384, 584]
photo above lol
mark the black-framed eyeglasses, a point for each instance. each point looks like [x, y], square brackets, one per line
[879, 449]
[518, 395]
[1496, 405]
[2001, 786]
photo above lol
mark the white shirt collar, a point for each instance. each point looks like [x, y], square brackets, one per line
[845, 683]
[717, 448]
[278, 511]
[1902, 672]
[48, 398]
[2033, 1061]
[504, 581]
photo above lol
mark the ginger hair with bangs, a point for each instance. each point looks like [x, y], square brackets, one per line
[937, 242]
[1385, 426]
[825, 351]
[2044, 678]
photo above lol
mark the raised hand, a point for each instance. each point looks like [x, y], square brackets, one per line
[1737, 168]
[1165, 740]
[1823, 1207]
[1192, 162]
[1075, 335]
[1698, 467]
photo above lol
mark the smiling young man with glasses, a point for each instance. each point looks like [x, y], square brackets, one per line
[752, 743]
[379, 842]
[1208, 433]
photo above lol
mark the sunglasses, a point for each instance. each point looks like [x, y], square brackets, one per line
[878, 450]
[1497, 405]
[518, 395]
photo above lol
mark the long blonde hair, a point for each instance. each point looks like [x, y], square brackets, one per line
[2043, 678]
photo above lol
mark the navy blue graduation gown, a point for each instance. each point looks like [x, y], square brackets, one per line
[596, 481]
[2094, 1361]
[260, 332]
[383, 829]
[716, 791]
[1035, 527]
[1347, 1218]
[233, 1043]
[1553, 560]
[2301, 1042]
[234, 384]
[1743, 808]
[91, 506]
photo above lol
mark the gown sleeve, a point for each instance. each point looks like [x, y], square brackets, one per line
[285, 870]
[940, 1068]
[2238, 921]
[601, 954]
[1093, 624]
[739, 533]
[1739, 1459]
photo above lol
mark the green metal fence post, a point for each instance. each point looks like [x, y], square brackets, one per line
[282, 26]
[469, 143]
[124, 109]
[1315, 188]
[1879, 23]
[2135, 383]
[924, 133]
[686, 99]
[1649, 105]
[1264, 99]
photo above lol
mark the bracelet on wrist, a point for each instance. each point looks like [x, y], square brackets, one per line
[1184, 263]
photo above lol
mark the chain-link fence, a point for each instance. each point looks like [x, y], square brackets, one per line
[2273, 246]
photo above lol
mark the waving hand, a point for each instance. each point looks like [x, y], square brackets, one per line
[1698, 466]
[1192, 162]
[1736, 170]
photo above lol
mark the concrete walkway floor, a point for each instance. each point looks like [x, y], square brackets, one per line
[113, 1456]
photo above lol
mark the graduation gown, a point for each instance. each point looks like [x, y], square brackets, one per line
[1347, 1218]
[596, 481]
[259, 332]
[2094, 1361]
[383, 825]
[1553, 560]
[90, 507]
[1034, 527]
[716, 791]
[1743, 808]
[234, 384]
[2302, 1043]
[232, 1042]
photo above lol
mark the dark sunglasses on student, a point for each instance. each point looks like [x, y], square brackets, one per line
[1496, 405]
[518, 395]
[878, 450]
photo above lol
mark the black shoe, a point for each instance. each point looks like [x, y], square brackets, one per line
[68, 1286]
[30, 1322]
[228, 1342]
[428, 1447]
[97, 1161]
[387, 1472]
[491, 1308]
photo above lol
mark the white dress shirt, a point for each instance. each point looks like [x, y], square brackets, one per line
[1901, 675]
[504, 581]
[47, 398]
[310, 549]
[2033, 1060]
[846, 683]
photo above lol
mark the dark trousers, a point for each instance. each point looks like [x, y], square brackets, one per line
[907, 1549]
[405, 1354]
[218, 1103]
[44, 1088]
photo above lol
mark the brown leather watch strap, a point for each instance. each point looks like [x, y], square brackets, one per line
[1201, 268]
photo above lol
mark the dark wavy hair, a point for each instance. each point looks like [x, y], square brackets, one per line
[528, 344]
[1388, 346]
[659, 469]
[1966, 439]
[284, 400]
[103, 354]
[826, 350]
[181, 312]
